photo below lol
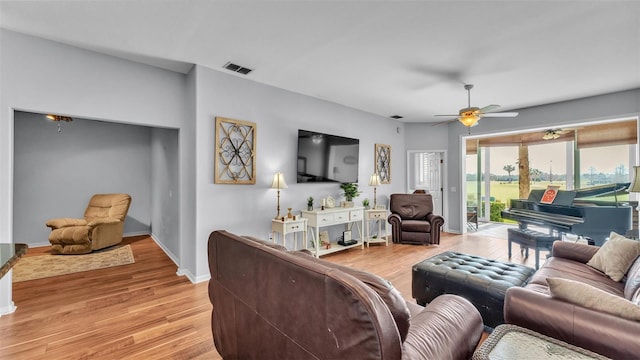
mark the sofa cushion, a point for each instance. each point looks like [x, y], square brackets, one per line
[616, 256]
[389, 294]
[416, 226]
[589, 297]
[632, 283]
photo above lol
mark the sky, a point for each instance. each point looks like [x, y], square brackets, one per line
[603, 159]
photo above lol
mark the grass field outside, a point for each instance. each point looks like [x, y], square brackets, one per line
[503, 191]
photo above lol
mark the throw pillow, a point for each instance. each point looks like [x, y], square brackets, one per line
[616, 256]
[593, 298]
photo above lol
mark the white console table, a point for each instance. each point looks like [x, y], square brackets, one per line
[335, 216]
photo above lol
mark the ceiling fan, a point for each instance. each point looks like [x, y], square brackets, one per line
[552, 134]
[469, 116]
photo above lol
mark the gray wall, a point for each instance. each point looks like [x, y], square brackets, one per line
[42, 76]
[618, 105]
[278, 114]
[111, 89]
[55, 174]
[165, 190]
[106, 88]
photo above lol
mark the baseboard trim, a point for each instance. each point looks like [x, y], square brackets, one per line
[166, 251]
[191, 277]
[135, 233]
[39, 245]
[9, 309]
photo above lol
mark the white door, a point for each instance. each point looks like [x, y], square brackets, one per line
[425, 173]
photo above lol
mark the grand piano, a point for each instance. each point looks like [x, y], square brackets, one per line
[572, 213]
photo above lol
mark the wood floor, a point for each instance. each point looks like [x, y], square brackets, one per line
[145, 311]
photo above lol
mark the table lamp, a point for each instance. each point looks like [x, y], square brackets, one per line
[374, 181]
[278, 183]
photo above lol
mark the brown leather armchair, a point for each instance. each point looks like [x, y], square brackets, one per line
[413, 221]
[102, 226]
[270, 303]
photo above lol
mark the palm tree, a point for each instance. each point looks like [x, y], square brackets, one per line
[509, 168]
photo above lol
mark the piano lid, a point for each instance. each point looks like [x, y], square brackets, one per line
[567, 197]
[603, 190]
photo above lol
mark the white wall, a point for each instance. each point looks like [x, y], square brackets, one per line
[55, 174]
[610, 106]
[278, 114]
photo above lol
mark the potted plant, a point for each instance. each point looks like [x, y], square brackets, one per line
[350, 191]
[310, 203]
[365, 203]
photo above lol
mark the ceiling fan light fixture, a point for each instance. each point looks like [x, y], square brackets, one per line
[551, 134]
[469, 120]
[59, 118]
[469, 116]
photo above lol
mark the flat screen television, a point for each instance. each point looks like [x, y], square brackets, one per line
[327, 158]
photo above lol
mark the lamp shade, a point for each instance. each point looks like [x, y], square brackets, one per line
[635, 184]
[278, 181]
[469, 120]
[374, 180]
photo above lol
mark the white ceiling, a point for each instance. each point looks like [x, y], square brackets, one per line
[385, 57]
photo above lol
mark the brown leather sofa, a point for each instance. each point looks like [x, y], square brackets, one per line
[533, 307]
[412, 219]
[102, 226]
[269, 303]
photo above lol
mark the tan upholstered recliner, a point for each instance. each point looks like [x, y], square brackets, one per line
[102, 226]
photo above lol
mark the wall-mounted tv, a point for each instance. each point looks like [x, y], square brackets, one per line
[327, 158]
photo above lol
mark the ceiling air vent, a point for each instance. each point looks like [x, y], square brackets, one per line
[396, 117]
[237, 68]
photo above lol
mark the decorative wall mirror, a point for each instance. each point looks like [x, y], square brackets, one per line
[235, 160]
[383, 162]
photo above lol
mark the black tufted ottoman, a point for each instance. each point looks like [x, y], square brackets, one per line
[481, 281]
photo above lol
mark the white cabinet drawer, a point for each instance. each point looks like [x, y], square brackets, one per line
[355, 215]
[325, 219]
[341, 217]
[296, 226]
[376, 215]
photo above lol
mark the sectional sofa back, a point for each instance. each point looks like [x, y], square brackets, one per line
[270, 304]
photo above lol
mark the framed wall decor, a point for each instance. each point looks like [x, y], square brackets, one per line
[235, 160]
[383, 162]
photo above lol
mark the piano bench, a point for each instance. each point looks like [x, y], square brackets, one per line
[527, 239]
[482, 281]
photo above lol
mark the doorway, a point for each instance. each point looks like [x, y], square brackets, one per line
[426, 169]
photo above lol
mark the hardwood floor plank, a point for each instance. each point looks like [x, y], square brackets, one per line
[144, 310]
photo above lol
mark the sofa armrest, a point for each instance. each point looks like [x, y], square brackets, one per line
[65, 222]
[605, 334]
[96, 222]
[435, 220]
[574, 251]
[394, 219]
[449, 327]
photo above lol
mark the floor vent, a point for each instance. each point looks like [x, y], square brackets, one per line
[237, 68]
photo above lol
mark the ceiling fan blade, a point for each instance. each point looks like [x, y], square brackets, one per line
[443, 122]
[502, 114]
[489, 108]
[447, 115]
